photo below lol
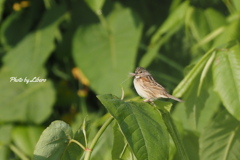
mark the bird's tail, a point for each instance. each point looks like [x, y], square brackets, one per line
[174, 98]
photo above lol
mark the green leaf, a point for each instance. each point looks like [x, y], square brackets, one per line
[26, 137]
[226, 76]
[220, 140]
[107, 55]
[55, 143]
[25, 102]
[142, 127]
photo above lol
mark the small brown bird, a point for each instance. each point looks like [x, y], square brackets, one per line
[148, 88]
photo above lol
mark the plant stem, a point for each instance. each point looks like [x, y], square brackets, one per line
[73, 140]
[96, 138]
[18, 152]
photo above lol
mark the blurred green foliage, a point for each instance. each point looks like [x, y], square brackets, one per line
[85, 48]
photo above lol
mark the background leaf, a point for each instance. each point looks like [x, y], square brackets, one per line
[25, 102]
[115, 46]
[23, 57]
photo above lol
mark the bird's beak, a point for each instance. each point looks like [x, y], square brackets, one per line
[132, 74]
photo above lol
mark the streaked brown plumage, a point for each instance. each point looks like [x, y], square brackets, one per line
[148, 88]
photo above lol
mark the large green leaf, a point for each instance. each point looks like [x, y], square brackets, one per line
[142, 126]
[106, 53]
[221, 139]
[226, 76]
[54, 143]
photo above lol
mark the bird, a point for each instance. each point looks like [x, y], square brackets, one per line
[148, 88]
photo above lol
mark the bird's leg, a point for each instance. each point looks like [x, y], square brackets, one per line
[150, 101]
[146, 100]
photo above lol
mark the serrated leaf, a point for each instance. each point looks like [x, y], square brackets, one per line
[99, 51]
[220, 140]
[142, 127]
[226, 76]
[54, 143]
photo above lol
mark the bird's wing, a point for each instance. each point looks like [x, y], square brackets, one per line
[154, 87]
